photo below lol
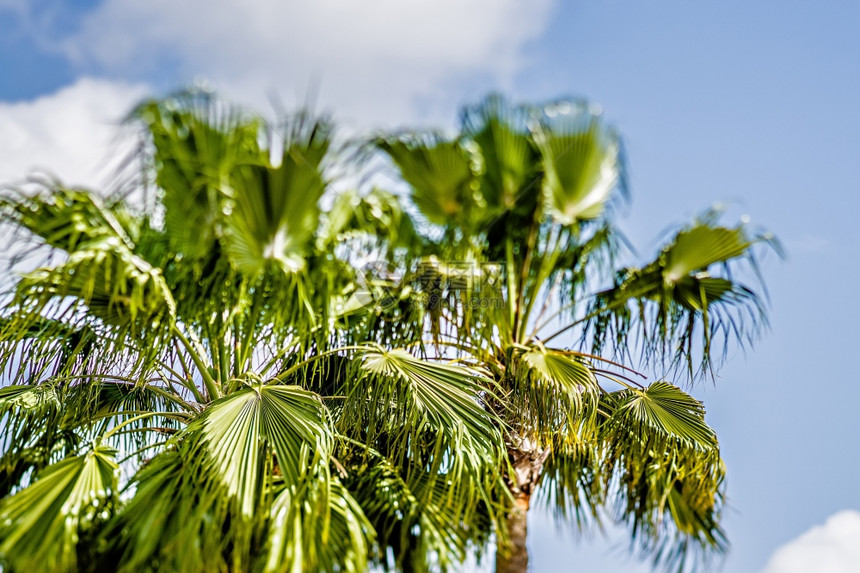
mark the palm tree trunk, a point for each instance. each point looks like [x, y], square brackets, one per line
[526, 462]
[515, 557]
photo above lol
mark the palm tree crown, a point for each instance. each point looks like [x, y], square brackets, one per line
[227, 365]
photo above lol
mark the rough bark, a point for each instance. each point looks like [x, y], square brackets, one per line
[527, 461]
[515, 558]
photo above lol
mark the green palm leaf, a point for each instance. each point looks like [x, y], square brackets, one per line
[116, 285]
[231, 432]
[439, 173]
[664, 467]
[418, 513]
[667, 409]
[274, 215]
[222, 471]
[39, 525]
[417, 393]
[197, 142]
[555, 398]
[501, 132]
[565, 372]
[172, 507]
[377, 216]
[234, 428]
[582, 161]
[680, 296]
[303, 538]
[701, 246]
[295, 422]
[67, 218]
[30, 418]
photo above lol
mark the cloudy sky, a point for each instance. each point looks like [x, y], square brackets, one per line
[750, 104]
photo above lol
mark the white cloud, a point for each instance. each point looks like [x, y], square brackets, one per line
[830, 548]
[388, 60]
[70, 134]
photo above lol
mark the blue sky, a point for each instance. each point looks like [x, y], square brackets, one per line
[750, 104]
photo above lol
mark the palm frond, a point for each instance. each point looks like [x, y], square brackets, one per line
[274, 215]
[197, 141]
[686, 300]
[582, 160]
[233, 430]
[669, 474]
[171, 508]
[129, 298]
[664, 408]
[317, 527]
[501, 132]
[423, 518]
[258, 460]
[409, 395]
[67, 219]
[439, 172]
[378, 217]
[30, 418]
[39, 525]
[554, 397]
[117, 286]
[573, 484]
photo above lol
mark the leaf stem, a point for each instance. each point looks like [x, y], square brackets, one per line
[211, 385]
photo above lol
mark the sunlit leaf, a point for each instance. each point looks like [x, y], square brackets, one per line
[274, 215]
[438, 171]
[666, 408]
[39, 524]
[582, 159]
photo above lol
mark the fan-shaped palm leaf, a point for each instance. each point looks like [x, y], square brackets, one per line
[197, 141]
[500, 131]
[233, 429]
[39, 525]
[675, 297]
[439, 172]
[415, 394]
[274, 215]
[556, 396]
[664, 408]
[581, 159]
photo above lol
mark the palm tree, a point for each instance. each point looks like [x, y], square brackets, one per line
[227, 365]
